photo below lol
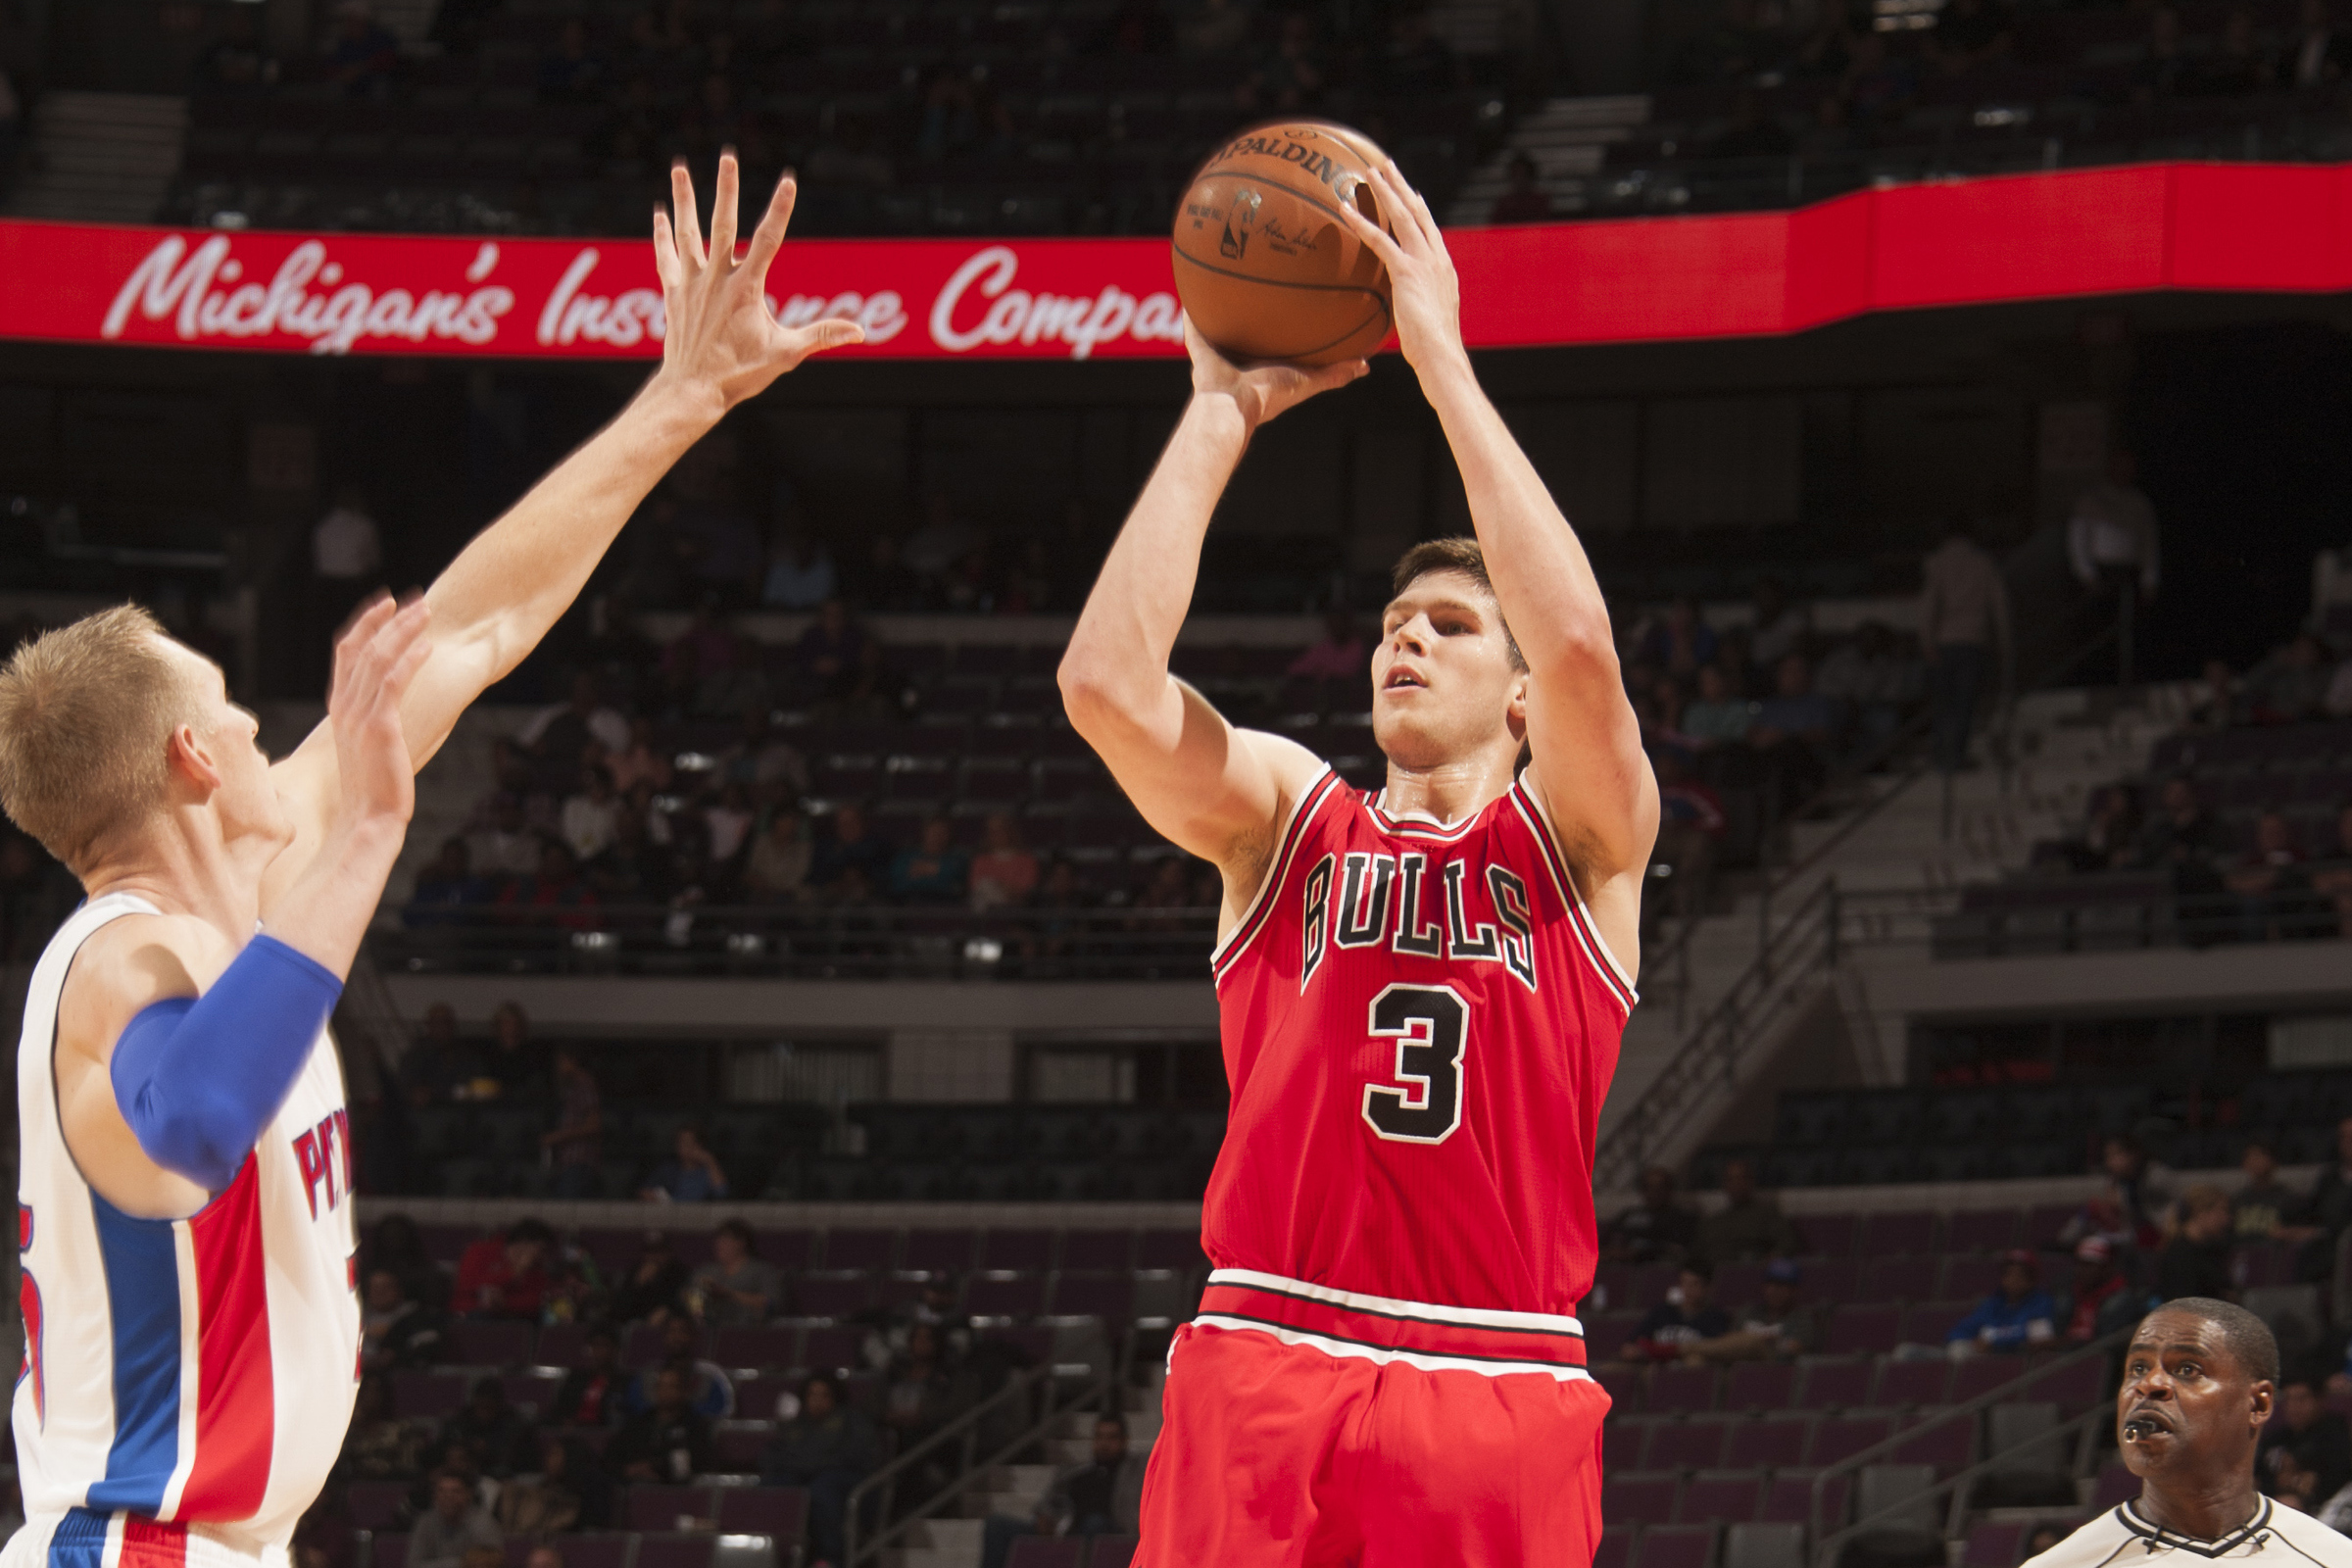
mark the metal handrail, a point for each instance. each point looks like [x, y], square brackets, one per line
[1721, 1038]
[964, 1433]
[2006, 1394]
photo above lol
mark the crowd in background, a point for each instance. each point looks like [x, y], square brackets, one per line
[2144, 1239]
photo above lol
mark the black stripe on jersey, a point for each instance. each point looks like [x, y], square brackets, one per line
[1395, 1317]
[1401, 1349]
[1262, 907]
[2158, 1536]
[1403, 827]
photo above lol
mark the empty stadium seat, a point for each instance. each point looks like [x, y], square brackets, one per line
[1752, 1544]
[1678, 1547]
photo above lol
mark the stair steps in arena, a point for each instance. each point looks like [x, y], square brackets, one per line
[1569, 140]
[102, 157]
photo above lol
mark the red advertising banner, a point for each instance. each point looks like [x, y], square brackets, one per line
[2236, 227]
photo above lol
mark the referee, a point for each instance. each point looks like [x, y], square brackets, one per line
[2198, 1382]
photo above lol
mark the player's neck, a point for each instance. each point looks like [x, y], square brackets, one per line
[2200, 1513]
[183, 865]
[1449, 792]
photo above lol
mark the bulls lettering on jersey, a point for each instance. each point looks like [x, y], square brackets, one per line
[1420, 1022]
[196, 1372]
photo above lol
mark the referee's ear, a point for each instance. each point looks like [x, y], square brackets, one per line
[2262, 1393]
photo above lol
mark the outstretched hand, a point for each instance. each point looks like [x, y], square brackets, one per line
[721, 335]
[1260, 391]
[374, 661]
[1426, 294]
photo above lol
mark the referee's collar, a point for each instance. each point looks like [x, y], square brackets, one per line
[2155, 1535]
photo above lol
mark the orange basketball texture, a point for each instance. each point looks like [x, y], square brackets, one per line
[1265, 266]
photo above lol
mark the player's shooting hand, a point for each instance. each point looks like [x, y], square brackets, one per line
[1426, 293]
[374, 661]
[722, 336]
[1260, 391]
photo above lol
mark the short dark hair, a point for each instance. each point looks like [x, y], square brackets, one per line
[528, 1229]
[2247, 1337]
[1112, 1418]
[740, 1231]
[1463, 556]
[1704, 1269]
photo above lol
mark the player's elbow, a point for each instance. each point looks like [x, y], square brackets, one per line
[1578, 654]
[1092, 695]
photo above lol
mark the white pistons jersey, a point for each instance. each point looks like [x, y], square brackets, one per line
[186, 1383]
[2125, 1538]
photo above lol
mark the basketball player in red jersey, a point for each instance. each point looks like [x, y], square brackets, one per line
[1422, 990]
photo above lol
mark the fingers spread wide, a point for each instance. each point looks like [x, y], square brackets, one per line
[686, 218]
[723, 200]
[768, 237]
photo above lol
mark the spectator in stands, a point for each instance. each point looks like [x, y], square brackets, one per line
[2110, 835]
[633, 868]
[1779, 626]
[1964, 633]
[638, 762]
[589, 813]
[236, 63]
[825, 1446]
[2101, 1298]
[1679, 640]
[518, 1067]
[1691, 825]
[493, 1428]
[1776, 1328]
[556, 892]
[1796, 726]
[759, 759]
[2321, 52]
[1748, 1225]
[505, 1276]
[1750, 132]
[2216, 701]
[736, 1286]
[1683, 1319]
[933, 870]
[801, 575]
[565, 1493]
[918, 1395]
[590, 1393]
[2291, 684]
[575, 1145]
[506, 847]
[1524, 200]
[2265, 1208]
[2182, 834]
[446, 887]
[1291, 76]
[1719, 716]
[1003, 873]
[777, 871]
[727, 824]
[438, 1065]
[1103, 1497]
[1657, 1228]
[669, 1440]
[828, 653]
[2275, 899]
[2331, 1208]
[708, 1389]
[2304, 1457]
[2197, 1260]
[558, 738]
[1873, 678]
[395, 1330]
[381, 1446]
[691, 1175]
[2018, 1316]
[851, 845]
[2111, 538]
[456, 1525]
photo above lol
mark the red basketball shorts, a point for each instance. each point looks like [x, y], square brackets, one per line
[1275, 1454]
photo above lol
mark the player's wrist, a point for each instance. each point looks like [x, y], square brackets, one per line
[679, 397]
[1229, 413]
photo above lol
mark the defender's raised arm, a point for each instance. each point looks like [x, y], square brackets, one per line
[1213, 790]
[505, 590]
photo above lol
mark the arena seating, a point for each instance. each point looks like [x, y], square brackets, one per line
[941, 117]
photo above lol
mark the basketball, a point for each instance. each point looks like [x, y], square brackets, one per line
[1265, 266]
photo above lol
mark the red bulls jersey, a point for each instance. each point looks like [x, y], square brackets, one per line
[1420, 1022]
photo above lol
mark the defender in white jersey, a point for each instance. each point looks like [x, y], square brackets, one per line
[2198, 1382]
[192, 1322]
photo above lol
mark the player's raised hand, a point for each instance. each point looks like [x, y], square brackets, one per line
[1426, 293]
[720, 333]
[375, 659]
[1260, 391]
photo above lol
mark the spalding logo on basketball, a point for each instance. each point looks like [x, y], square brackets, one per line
[1265, 266]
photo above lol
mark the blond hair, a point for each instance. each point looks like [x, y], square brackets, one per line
[86, 715]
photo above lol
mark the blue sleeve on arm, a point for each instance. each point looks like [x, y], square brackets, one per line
[198, 1078]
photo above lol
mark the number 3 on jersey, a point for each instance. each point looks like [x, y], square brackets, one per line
[1431, 1026]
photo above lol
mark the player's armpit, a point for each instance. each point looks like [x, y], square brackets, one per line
[125, 967]
[1607, 870]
